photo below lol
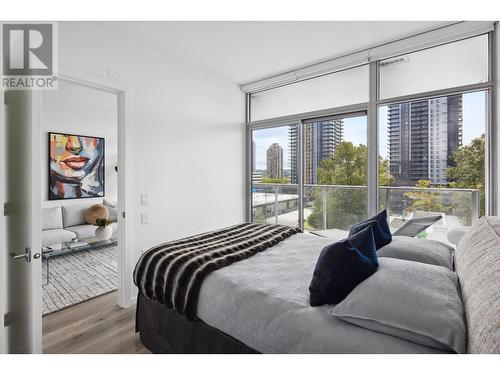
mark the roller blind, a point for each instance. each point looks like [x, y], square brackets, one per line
[338, 89]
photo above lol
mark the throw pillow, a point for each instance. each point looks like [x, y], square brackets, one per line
[341, 266]
[380, 226]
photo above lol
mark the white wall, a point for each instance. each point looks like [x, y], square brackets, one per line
[75, 109]
[188, 133]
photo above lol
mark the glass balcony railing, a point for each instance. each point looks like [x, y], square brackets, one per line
[275, 203]
[332, 209]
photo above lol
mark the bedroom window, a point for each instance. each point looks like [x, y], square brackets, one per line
[275, 196]
[434, 165]
[334, 170]
[409, 133]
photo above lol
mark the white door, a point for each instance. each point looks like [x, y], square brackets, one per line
[20, 227]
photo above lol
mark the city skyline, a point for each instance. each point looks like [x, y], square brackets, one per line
[354, 130]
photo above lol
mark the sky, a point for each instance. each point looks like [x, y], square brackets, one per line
[474, 124]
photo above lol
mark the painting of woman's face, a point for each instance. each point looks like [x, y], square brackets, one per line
[74, 160]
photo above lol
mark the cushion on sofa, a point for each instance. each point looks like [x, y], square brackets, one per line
[341, 266]
[74, 215]
[88, 231]
[414, 301]
[477, 262]
[56, 236]
[109, 203]
[419, 250]
[52, 218]
[83, 231]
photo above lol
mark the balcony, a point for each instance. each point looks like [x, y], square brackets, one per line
[330, 210]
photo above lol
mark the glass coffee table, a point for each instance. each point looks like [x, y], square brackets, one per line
[49, 252]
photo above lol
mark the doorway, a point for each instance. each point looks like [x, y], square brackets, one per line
[79, 165]
[25, 321]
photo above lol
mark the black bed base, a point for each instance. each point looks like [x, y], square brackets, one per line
[164, 330]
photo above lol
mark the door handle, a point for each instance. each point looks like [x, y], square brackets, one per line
[26, 256]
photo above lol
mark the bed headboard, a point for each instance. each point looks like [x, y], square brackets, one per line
[477, 262]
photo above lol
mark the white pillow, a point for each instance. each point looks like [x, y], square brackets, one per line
[74, 215]
[52, 218]
[109, 203]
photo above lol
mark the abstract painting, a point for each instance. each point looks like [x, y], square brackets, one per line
[76, 166]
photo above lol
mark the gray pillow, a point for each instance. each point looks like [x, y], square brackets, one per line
[74, 215]
[414, 301]
[52, 218]
[419, 250]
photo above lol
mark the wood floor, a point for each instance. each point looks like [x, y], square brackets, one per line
[98, 326]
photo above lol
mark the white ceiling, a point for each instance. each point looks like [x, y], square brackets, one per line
[247, 51]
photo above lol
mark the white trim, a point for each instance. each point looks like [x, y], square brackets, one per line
[126, 255]
[445, 34]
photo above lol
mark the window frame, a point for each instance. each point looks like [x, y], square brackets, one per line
[371, 109]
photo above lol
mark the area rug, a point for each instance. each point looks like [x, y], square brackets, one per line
[78, 277]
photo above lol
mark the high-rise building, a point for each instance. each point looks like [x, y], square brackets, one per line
[422, 135]
[320, 141]
[256, 177]
[274, 161]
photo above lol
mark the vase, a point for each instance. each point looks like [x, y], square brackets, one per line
[103, 233]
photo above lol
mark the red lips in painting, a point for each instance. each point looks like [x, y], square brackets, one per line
[76, 162]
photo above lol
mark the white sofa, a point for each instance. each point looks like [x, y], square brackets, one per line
[61, 224]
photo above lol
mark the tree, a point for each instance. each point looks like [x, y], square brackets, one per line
[468, 171]
[385, 177]
[345, 205]
[468, 165]
[422, 200]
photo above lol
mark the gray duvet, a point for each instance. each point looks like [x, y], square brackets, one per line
[263, 302]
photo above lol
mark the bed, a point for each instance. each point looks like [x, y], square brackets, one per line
[260, 304]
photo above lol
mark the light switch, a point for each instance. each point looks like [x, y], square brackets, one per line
[144, 200]
[144, 218]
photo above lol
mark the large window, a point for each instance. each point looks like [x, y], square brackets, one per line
[334, 170]
[432, 160]
[327, 170]
[275, 197]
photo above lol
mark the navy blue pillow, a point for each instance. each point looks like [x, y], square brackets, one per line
[341, 266]
[380, 226]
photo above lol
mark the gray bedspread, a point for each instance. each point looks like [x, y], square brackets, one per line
[263, 302]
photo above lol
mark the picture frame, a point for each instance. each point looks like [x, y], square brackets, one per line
[76, 166]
